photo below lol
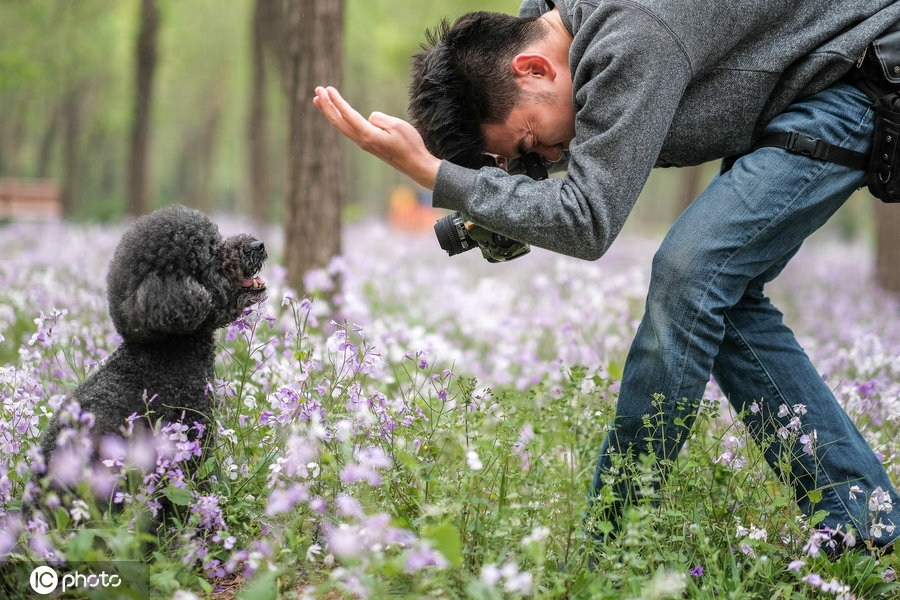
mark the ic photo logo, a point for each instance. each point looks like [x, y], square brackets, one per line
[45, 580]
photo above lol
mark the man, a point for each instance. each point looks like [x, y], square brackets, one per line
[614, 89]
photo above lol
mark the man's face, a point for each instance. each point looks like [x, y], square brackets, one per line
[539, 123]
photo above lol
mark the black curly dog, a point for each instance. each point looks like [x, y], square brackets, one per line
[172, 282]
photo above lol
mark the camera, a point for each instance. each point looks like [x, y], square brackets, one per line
[457, 234]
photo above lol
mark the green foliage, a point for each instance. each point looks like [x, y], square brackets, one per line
[53, 52]
[493, 480]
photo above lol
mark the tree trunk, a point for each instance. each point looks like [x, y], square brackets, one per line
[70, 188]
[265, 30]
[145, 67]
[315, 185]
[887, 251]
[48, 141]
[12, 135]
[194, 177]
[689, 186]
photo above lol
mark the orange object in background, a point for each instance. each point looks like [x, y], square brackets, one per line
[412, 211]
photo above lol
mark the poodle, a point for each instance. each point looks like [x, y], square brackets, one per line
[172, 282]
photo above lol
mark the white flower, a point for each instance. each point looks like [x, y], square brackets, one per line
[666, 584]
[80, 511]
[879, 527]
[880, 501]
[835, 587]
[538, 534]
[854, 490]
[809, 441]
[758, 534]
[490, 574]
[520, 583]
[473, 461]
[313, 552]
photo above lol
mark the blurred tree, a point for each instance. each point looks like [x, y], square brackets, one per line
[58, 69]
[194, 171]
[145, 67]
[887, 247]
[689, 186]
[266, 43]
[72, 115]
[315, 185]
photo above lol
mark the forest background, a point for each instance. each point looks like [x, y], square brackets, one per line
[70, 75]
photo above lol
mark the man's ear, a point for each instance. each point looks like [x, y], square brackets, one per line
[533, 66]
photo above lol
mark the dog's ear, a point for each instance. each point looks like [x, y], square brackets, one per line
[165, 305]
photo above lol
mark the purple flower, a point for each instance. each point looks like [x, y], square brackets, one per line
[697, 571]
[283, 500]
[373, 457]
[9, 533]
[868, 388]
[207, 512]
[354, 472]
[344, 541]
[796, 565]
[813, 579]
[420, 558]
[349, 506]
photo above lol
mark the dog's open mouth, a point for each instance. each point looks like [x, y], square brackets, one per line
[254, 283]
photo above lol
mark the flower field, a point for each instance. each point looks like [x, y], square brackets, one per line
[427, 429]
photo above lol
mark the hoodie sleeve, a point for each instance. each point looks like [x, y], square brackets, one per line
[534, 8]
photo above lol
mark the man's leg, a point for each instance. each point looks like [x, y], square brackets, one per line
[793, 415]
[742, 228]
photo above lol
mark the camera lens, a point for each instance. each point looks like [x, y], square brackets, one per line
[452, 235]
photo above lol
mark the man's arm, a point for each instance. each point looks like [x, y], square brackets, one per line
[393, 140]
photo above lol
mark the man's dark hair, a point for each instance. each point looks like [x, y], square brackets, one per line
[463, 79]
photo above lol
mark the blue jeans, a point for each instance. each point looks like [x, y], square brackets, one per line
[706, 313]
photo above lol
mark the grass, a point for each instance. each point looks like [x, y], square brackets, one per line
[429, 433]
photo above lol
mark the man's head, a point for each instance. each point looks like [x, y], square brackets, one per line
[473, 78]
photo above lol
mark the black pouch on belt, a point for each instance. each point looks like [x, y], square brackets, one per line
[884, 164]
[879, 77]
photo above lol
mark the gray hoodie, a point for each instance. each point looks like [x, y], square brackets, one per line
[663, 83]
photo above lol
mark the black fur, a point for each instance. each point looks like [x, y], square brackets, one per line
[172, 282]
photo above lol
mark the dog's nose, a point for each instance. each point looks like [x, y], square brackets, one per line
[257, 246]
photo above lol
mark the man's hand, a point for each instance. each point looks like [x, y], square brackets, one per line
[393, 140]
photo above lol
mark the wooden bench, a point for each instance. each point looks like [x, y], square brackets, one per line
[29, 199]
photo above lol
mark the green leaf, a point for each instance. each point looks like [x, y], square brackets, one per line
[615, 371]
[207, 467]
[263, 586]
[165, 581]
[81, 543]
[179, 496]
[445, 539]
[818, 516]
[62, 517]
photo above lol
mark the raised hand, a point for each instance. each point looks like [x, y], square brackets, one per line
[393, 140]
